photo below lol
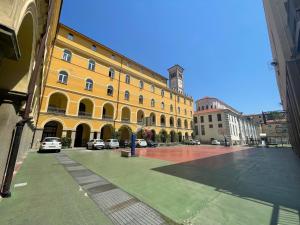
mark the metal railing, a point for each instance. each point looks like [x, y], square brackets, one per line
[84, 114]
[56, 110]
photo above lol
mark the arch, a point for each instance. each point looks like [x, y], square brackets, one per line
[67, 55]
[89, 84]
[125, 116]
[185, 124]
[86, 107]
[18, 72]
[108, 111]
[152, 119]
[106, 132]
[124, 134]
[82, 135]
[178, 122]
[58, 103]
[179, 136]
[163, 135]
[63, 77]
[186, 136]
[171, 121]
[140, 116]
[173, 136]
[162, 120]
[53, 119]
[52, 128]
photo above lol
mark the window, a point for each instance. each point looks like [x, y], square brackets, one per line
[209, 118]
[152, 103]
[203, 107]
[178, 110]
[162, 93]
[111, 73]
[202, 130]
[89, 85]
[94, 48]
[185, 112]
[196, 130]
[67, 55]
[152, 88]
[171, 96]
[126, 96]
[141, 84]
[202, 119]
[190, 103]
[195, 119]
[219, 117]
[171, 108]
[211, 106]
[70, 36]
[162, 105]
[184, 101]
[220, 125]
[110, 90]
[211, 126]
[178, 99]
[206, 106]
[141, 99]
[127, 79]
[91, 65]
[63, 77]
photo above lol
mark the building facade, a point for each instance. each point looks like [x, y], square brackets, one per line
[215, 120]
[283, 20]
[94, 92]
[27, 31]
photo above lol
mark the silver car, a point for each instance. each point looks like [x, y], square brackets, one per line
[95, 144]
[50, 143]
[112, 143]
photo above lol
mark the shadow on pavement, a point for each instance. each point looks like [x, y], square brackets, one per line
[259, 174]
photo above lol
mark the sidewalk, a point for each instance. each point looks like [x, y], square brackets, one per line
[50, 197]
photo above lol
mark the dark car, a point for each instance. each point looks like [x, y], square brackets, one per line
[151, 144]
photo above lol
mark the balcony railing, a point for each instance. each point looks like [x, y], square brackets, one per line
[56, 110]
[125, 120]
[107, 117]
[163, 124]
[84, 114]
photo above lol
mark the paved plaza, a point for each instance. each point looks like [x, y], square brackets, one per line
[209, 185]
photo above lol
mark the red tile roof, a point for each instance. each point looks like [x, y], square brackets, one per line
[208, 111]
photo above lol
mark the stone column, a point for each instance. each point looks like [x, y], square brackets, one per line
[64, 133]
[98, 135]
[73, 134]
[91, 135]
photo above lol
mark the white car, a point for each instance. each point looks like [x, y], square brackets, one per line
[141, 143]
[112, 143]
[50, 143]
[197, 142]
[215, 142]
[95, 144]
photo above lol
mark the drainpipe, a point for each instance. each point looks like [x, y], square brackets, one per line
[118, 95]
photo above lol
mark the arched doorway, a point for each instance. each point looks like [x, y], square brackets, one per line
[162, 121]
[82, 135]
[106, 132]
[173, 134]
[124, 133]
[52, 129]
[125, 117]
[85, 108]
[152, 119]
[57, 103]
[179, 136]
[163, 136]
[140, 117]
[171, 121]
[108, 111]
[153, 137]
[185, 124]
[179, 122]
[186, 136]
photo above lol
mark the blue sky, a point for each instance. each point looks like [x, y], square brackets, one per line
[223, 45]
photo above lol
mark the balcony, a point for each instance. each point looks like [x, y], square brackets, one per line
[84, 114]
[107, 117]
[125, 120]
[56, 110]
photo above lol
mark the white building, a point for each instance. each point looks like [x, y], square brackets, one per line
[215, 119]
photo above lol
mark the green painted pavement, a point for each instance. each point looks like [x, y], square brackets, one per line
[51, 197]
[256, 186]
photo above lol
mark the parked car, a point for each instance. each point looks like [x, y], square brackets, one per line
[50, 143]
[112, 143]
[95, 144]
[197, 142]
[140, 143]
[215, 142]
[152, 144]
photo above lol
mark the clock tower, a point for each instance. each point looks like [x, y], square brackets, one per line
[176, 79]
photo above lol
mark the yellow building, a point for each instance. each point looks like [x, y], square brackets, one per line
[92, 91]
